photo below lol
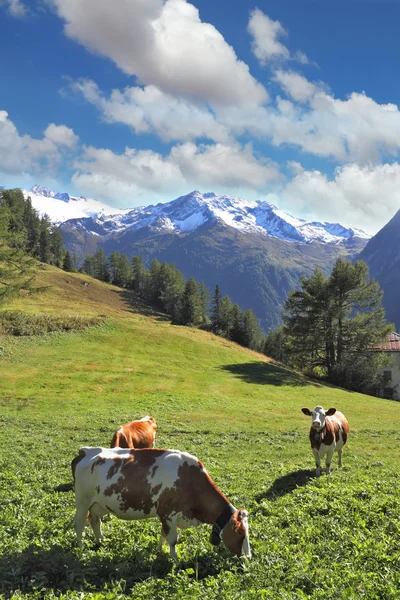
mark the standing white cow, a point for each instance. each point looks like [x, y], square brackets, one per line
[329, 432]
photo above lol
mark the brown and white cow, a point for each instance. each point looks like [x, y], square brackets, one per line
[171, 485]
[136, 434]
[329, 432]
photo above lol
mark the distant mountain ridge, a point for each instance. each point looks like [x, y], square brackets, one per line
[187, 213]
[255, 252]
[382, 255]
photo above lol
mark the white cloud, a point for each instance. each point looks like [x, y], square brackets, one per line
[61, 136]
[295, 85]
[366, 197]
[265, 44]
[22, 153]
[142, 176]
[265, 33]
[15, 8]
[148, 110]
[165, 44]
[355, 129]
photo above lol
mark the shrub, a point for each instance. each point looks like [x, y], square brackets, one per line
[21, 324]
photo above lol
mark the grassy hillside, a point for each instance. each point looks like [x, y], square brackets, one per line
[336, 537]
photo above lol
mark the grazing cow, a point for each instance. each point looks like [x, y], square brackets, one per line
[171, 485]
[329, 432]
[136, 434]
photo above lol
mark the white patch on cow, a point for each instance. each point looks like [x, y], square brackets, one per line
[246, 551]
[147, 418]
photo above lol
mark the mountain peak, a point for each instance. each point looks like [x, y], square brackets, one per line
[42, 190]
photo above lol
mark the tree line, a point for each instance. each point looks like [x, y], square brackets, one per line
[23, 229]
[186, 302]
[331, 326]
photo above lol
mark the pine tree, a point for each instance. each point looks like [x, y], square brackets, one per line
[203, 305]
[216, 311]
[44, 240]
[56, 247]
[190, 311]
[67, 263]
[16, 272]
[333, 323]
[139, 276]
[101, 270]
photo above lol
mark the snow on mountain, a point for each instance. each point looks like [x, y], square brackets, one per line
[61, 207]
[187, 213]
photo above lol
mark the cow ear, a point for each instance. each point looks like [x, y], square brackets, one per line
[307, 412]
[330, 412]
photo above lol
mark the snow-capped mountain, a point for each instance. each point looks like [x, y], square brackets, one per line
[61, 207]
[187, 213]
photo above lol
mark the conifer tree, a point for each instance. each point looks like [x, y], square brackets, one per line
[44, 240]
[333, 323]
[216, 310]
[67, 263]
[190, 311]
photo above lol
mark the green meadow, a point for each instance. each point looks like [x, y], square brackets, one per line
[321, 538]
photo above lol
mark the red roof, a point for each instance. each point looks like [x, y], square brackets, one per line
[391, 344]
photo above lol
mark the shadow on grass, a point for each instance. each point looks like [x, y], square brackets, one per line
[138, 305]
[267, 374]
[62, 569]
[286, 484]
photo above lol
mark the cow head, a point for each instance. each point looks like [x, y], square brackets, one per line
[150, 420]
[235, 534]
[318, 415]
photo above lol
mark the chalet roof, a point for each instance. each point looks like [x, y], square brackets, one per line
[391, 344]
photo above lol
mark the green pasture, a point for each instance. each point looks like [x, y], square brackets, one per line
[328, 538]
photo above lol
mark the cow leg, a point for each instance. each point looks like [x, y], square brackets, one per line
[329, 455]
[317, 462]
[163, 539]
[340, 457]
[170, 532]
[79, 522]
[95, 522]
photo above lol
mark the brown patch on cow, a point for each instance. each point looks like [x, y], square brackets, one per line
[76, 460]
[234, 532]
[156, 488]
[330, 432]
[195, 495]
[132, 486]
[117, 462]
[99, 461]
[136, 434]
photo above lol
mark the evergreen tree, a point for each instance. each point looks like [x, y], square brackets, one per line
[252, 332]
[56, 247]
[216, 310]
[16, 272]
[88, 266]
[101, 270]
[139, 276]
[67, 263]
[32, 225]
[237, 330]
[203, 305]
[190, 311]
[44, 240]
[333, 323]
[172, 285]
[226, 316]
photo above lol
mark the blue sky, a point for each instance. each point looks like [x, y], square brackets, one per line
[134, 102]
